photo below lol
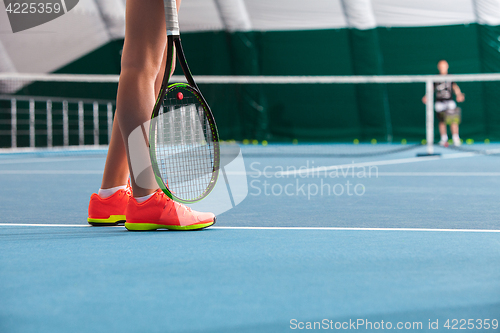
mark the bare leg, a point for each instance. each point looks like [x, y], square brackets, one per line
[116, 168]
[116, 171]
[145, 39]
[454, 129]
[159, 77]
[442, 128]
[143, 66]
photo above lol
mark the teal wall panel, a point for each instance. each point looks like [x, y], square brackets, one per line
[326, 112]
[316, 52]
[489, 51]
[371, 99]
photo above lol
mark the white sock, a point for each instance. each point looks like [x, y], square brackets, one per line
[106, 193]
[444, 137]
[455, 137]
[144, 198]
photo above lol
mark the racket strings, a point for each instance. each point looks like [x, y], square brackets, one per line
[184, 145]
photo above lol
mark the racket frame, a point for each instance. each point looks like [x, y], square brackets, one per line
[174, 45]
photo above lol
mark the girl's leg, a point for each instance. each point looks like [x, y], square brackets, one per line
[116, 171]
[159, 77]
[141, 75]
[142, 59]
[103, 211]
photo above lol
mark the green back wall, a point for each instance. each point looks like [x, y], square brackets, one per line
[334, 112]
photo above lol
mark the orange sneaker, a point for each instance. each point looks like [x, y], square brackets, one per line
[161, 212]
[109, 211]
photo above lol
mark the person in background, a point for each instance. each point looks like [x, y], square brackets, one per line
[447, 111]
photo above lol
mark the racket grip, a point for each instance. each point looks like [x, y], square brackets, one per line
[171, 18]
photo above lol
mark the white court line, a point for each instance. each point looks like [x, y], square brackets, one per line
[51, 172]
[374, 163]
[357, 229]
[379, 174]
[277, 174]
[54, 150]
[269, 228]
[45, 225]
[45, 160]
[253, 174]
[439, 174]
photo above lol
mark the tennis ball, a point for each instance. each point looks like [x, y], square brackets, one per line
[469, 141]
[424, 142]
[403, 142]
[356, 141]
[264, 143]
[180, 95]
[374, 141]
[295, 141]
[245, 142]
[255, 142]
[487, 141]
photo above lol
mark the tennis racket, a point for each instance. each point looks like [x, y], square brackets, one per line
[183, 139]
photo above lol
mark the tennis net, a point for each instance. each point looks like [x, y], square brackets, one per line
[370, 115]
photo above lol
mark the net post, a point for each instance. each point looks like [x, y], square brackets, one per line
[81, 125]
[96, 123]
[50, 137]
[32, 122]
[13, 122]
[65, 124]
[429, 115]
[110, 120]
[429, 119]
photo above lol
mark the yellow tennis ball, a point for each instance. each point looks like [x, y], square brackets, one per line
[245, 142]
[424, 142]
[356, 141]
[487, 141]
[403, 142]
[255, 142]
[264, 143]
[374, 141]
[295, 141]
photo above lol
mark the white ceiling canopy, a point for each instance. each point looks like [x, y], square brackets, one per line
[93, 23]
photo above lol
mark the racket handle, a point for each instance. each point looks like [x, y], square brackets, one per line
[171, 18]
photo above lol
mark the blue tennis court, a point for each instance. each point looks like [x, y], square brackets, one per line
[321, 241]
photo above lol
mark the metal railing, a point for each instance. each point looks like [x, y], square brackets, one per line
[49, 122]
